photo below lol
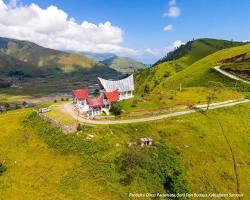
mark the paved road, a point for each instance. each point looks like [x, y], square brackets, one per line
[218, 69]
[69, 108]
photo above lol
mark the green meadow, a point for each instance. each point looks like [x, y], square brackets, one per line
[42, 163]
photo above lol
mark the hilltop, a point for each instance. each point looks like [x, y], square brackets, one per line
[124, 65]
[98, 56]
[180, 59]
[200, 72]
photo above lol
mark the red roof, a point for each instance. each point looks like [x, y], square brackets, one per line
[81, 93]
[95, 102]
[112, 96]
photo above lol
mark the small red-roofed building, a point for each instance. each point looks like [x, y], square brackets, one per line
[112, 96]
[95, 105]
[80, 99]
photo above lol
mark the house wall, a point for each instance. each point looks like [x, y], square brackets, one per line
[126, 95]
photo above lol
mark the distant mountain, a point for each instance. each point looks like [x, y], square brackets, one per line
[98, 56]
[32, 65]
[180, 59]
[124, 65]
[45, 60]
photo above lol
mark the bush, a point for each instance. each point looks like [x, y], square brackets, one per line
[166, 74]
[62, 99]
[159, 166]
[24, 103]
[116, 109]
[55, 101]
[247, 95]
[2, 169]
[146, 89]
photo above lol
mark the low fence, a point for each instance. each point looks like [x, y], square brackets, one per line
[65, 129]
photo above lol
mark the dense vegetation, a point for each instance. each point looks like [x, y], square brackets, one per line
[159, 163]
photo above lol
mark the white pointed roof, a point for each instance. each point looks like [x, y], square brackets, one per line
[126, 84]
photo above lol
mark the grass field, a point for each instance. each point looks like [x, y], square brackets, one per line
[174, 99]
[44, 164]
[35, 171]
[58, 114]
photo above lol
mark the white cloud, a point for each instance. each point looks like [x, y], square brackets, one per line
[173, 11]
[168, 28]
[177, 44]
[52, 27]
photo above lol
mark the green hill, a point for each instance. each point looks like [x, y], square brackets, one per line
[98, 56]
[179, 59]
[8, 64]
[46, 59]
[124, 65]
[200, 72]
[44, 69]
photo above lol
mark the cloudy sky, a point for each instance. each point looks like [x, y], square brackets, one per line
[142, 29]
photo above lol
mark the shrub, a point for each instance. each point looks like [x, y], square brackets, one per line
[146, 89]
[62, 99]
[2, 169]
[134, 102]
[248, 95]
[55, 101]
[116, 109]
[166, 74]
[24, 103]
[159, 166]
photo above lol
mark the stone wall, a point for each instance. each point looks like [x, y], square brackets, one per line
[65, 129]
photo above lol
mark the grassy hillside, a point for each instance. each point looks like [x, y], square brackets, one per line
[56, 166]
[43, 57]
[98, 56]
[8, 63]
[47, 60]
[238, 65]
[179, 59]
[124, 65]
[200, 72]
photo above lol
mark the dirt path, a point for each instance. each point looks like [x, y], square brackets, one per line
[218, 69]
[69, 108]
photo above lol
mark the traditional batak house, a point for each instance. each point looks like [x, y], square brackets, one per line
[112, 91]
[125, 86]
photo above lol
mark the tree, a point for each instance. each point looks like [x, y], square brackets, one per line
[2, 169]
[214, 88]
[146, 89]
[116, 109]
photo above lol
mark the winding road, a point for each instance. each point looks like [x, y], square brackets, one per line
[69, 108]
[221, 71]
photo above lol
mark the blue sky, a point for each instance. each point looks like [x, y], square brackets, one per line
[142, 21]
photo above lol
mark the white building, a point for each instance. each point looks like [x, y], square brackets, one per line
[124, 86]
